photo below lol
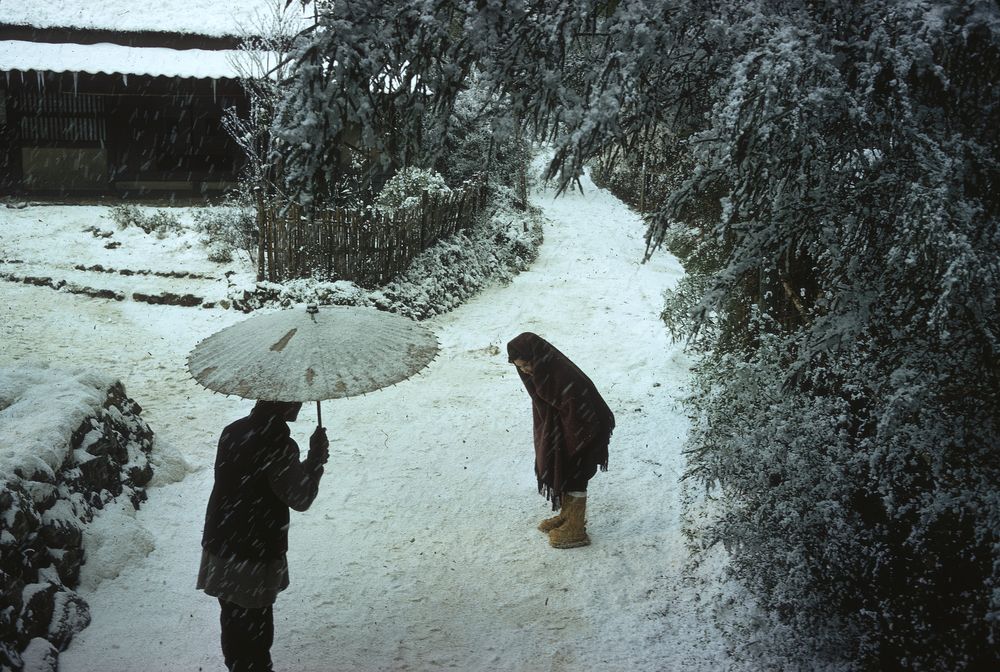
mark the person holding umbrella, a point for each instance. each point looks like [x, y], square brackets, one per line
[258, 477]
[308, 355]
[572, 428]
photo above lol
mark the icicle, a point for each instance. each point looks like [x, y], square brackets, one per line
[76, 82]
[125, 78]
[214, 99]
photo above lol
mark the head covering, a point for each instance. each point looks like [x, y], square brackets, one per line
[572, 422]
[264, 408]
[269, 421]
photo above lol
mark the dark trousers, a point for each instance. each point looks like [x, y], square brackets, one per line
[247, 635]
[577, 481]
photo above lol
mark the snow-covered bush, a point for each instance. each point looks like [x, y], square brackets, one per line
[845, 301]
[398, 88]
[226, 229]
[159, 222]
[495, 249]
[471, 149]
[372, 107]
[404, 189]
[644, 175]
[501, 243]
[301, 290]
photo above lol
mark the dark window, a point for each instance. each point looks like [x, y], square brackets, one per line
[61, 118]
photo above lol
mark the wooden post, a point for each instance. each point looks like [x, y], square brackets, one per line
[424, 207]
[522, 169]
[271, 230]
[261, 234]
[642, 182]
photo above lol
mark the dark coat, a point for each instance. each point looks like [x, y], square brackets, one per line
[258, 476]
[572, 422]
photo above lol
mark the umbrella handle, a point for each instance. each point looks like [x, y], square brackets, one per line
[319, 416]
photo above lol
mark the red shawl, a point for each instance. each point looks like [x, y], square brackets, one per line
[572, 423]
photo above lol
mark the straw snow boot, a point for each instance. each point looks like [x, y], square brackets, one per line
[552, 523]
[573, 531]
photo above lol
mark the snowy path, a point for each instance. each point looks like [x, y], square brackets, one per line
[420, 552]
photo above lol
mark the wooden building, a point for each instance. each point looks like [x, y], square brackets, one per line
[115, 107]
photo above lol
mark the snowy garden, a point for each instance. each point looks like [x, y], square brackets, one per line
[769, 232]
[421, 551]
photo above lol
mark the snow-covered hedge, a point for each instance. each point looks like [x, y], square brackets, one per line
[500, 244]
[405, 188]
[71, 444]
[845, 301]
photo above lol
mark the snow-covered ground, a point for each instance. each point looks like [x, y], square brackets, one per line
[420, 552]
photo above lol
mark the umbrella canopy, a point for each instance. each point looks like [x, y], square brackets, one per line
[312, 354]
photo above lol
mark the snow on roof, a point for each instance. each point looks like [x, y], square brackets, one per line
[195, 17]
[116, 59]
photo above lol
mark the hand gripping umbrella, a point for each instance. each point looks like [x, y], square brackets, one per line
[312, 354]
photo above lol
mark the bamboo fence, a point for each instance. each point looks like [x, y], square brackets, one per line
[364, 247]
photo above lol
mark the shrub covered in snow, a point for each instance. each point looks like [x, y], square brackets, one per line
[472, 148]
[158, 222]
[502, 242]
[495, 249]
[845, 302]
[302, 290]
[404, 189]
[643, 176]
[226, 229]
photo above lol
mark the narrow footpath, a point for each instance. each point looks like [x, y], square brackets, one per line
[421, 552]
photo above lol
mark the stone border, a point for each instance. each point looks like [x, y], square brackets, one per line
[97, 268]
[163, 298]
[42, 523]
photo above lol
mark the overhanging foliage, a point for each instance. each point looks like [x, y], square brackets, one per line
[841, 233]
